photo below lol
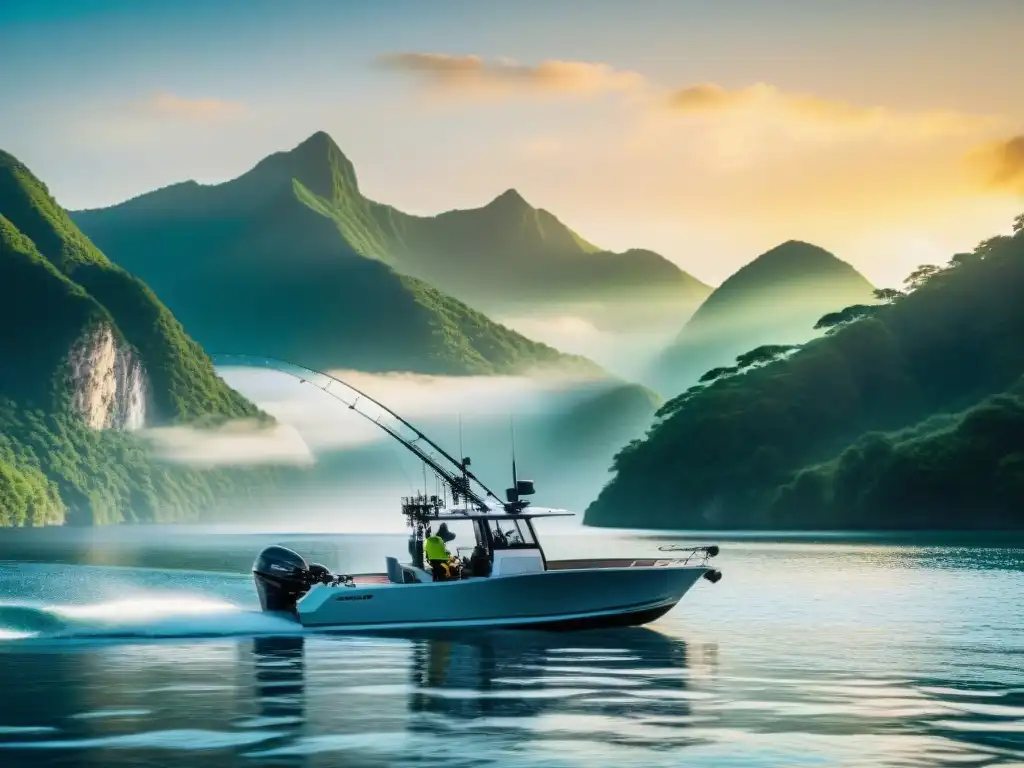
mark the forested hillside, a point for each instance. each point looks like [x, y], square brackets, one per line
[289, 260]
[506, 256]
[907, 414]
[90, 355]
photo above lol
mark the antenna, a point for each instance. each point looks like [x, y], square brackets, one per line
[512, 431]
[519, 487]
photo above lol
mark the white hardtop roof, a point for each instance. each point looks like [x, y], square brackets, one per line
[492, 514]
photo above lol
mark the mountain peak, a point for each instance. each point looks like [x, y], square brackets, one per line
[317, 163]
[798, 268]
[796, 249]
[793, 260]
[319, 141]
[510, 198]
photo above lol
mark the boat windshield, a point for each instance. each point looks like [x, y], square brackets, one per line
[511, 534]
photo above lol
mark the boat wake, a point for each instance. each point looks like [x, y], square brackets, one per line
[157, 617]
[62, 601]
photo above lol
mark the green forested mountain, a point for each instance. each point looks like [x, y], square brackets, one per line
[290, 259]
[774, 299]
[509, 254]
[907, 415]
[89, 352]
[281, 262]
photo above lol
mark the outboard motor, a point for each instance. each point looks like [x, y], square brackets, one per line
[281, 577]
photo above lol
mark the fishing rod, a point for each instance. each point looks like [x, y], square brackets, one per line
[457, 484]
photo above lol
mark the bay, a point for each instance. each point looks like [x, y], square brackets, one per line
[145, 646]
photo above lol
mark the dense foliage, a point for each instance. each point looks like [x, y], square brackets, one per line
[183, 380]
[285, 261]
[55, 289]
[42, 314]
[55, 470]
[908, 416]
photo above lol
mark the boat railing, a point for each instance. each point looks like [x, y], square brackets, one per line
[694, 555]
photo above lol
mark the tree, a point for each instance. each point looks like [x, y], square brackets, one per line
[834, 320]
[888, 295]
[1018, 224]
[677, 402]
[990, 245]
[962, 259]
[717, 373]
[763, 354]
[920, 276]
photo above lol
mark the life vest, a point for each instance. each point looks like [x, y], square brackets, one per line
[434, 549]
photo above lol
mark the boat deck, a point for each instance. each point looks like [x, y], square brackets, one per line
[369, 579]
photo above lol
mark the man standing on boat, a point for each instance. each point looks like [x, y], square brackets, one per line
[437, 554]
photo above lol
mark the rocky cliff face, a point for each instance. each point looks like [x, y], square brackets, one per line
[108, 382]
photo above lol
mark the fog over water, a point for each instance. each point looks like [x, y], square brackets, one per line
[356, 473]
[623, 348]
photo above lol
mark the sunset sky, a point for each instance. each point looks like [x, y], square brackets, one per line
[708, 131]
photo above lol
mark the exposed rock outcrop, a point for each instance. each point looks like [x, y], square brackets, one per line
[108, 382]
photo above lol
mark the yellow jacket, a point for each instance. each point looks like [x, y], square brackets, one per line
[434, 549]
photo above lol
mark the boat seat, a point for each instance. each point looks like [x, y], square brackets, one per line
[414, 575]
[396, 573]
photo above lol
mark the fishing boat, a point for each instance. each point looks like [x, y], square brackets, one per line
[503, 579]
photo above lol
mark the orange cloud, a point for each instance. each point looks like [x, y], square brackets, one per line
[170, 105]
[764, 108]
[474, 76]
[711, 98]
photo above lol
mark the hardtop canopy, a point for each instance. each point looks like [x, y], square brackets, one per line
[472, 514]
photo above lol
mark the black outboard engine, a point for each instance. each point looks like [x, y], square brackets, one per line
[281, 577]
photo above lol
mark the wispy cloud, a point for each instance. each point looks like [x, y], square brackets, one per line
[475, 77]
[768, 100]
[760, 108]
[169, 105]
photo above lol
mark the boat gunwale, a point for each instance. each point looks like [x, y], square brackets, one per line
[376, 579]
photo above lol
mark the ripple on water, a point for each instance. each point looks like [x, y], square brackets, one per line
[848, 658]
[103, 714]
[175, 740]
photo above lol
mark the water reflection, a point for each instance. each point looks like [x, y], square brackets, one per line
[612, 686]
[805, 654]
[279, 671]
[985, 720]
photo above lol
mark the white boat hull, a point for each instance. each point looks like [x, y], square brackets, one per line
[555, 599]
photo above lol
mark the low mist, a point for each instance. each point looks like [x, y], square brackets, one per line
[785, 315]
[566, 432]
[236, 443]
[626, 351]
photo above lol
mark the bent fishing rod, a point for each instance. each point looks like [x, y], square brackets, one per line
[308, 375]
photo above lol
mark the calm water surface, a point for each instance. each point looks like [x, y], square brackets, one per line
[148, 649]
